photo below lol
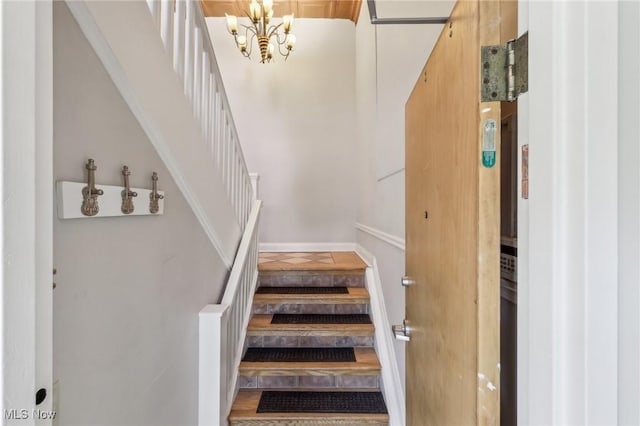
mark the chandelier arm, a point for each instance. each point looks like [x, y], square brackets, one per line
[283, 40]
[280, 50]
[250, 42]
[273, 30]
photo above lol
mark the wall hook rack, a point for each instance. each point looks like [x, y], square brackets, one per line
[115, 201]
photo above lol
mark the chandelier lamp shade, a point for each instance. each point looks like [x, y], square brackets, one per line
[268, 35]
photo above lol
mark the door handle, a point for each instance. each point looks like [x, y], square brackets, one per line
[407, 281]
[402, 331]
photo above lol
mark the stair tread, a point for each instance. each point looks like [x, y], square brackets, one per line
[366, 364]
[333, 261]
[355, 295]
[245, 407]
[260, 325]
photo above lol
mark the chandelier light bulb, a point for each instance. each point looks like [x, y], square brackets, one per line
[287, 21]
[255, 11]
[291, 41]
[232, 23]
[268, 6]
[242, 42]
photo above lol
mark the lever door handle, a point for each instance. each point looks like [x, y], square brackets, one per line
[402, 331]
[407, 281]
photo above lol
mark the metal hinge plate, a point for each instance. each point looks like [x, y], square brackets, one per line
[505, 70]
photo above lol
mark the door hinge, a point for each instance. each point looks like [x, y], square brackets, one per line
[505, 70]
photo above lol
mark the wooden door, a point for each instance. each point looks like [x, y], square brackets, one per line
[452, 231]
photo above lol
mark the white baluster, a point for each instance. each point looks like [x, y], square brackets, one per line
[197, 72]
[188, 51]
[178, 38]
[212, 117]
[218, 129]
[205, 94]
[154, 8]
[166, 26]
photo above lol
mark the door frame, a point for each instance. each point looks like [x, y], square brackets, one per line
[569, 356]
[27, 215]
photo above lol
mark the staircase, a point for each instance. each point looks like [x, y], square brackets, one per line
[309, 356]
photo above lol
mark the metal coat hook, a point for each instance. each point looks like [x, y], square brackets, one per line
[90, 193]
[154, 196]
[127, 193]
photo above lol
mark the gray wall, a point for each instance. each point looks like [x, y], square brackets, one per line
[129, 289]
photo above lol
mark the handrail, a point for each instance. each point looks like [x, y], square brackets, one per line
[185, 36]
[222, 331]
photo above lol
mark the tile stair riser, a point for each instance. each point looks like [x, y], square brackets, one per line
[296, 279]
[310, 382]
[291, 420]
[290, 308]
[309, 341]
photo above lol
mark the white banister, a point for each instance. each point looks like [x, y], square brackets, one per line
[223, 330]
[185, 35]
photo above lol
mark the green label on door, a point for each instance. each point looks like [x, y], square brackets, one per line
[489, 143]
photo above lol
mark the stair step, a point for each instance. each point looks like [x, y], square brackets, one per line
[366, 364]
[261, 325]
[319, 261]
[312, 278]
[309, 382]
[302, 290]
[355, 295]
[244, 413]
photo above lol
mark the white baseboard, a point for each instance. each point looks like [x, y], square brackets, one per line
[391, 381]
[291, 247]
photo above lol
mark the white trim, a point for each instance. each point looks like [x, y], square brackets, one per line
[26, 189]
[382, 236]
[391, 381]
[291, 247]
[568, 273]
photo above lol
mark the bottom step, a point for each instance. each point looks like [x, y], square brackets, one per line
[323, 408]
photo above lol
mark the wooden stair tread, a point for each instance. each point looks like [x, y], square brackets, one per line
[260, 325]
[356, 295]
[367, 364]
[243, 412]
[340, 261]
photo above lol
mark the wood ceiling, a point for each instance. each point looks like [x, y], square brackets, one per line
[330, 9]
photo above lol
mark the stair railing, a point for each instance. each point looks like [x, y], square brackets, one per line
[222, 331]
[186, 39]
[222, 327]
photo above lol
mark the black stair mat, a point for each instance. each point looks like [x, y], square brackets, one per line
[303, 290]
[300, 355]
[322, 402]
[321, 319]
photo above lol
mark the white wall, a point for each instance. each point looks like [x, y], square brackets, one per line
[388, 62]
[295, 123]
[128, 289]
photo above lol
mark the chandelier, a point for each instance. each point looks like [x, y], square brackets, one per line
[268, 36]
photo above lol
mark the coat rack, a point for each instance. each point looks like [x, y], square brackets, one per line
[77, 200]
